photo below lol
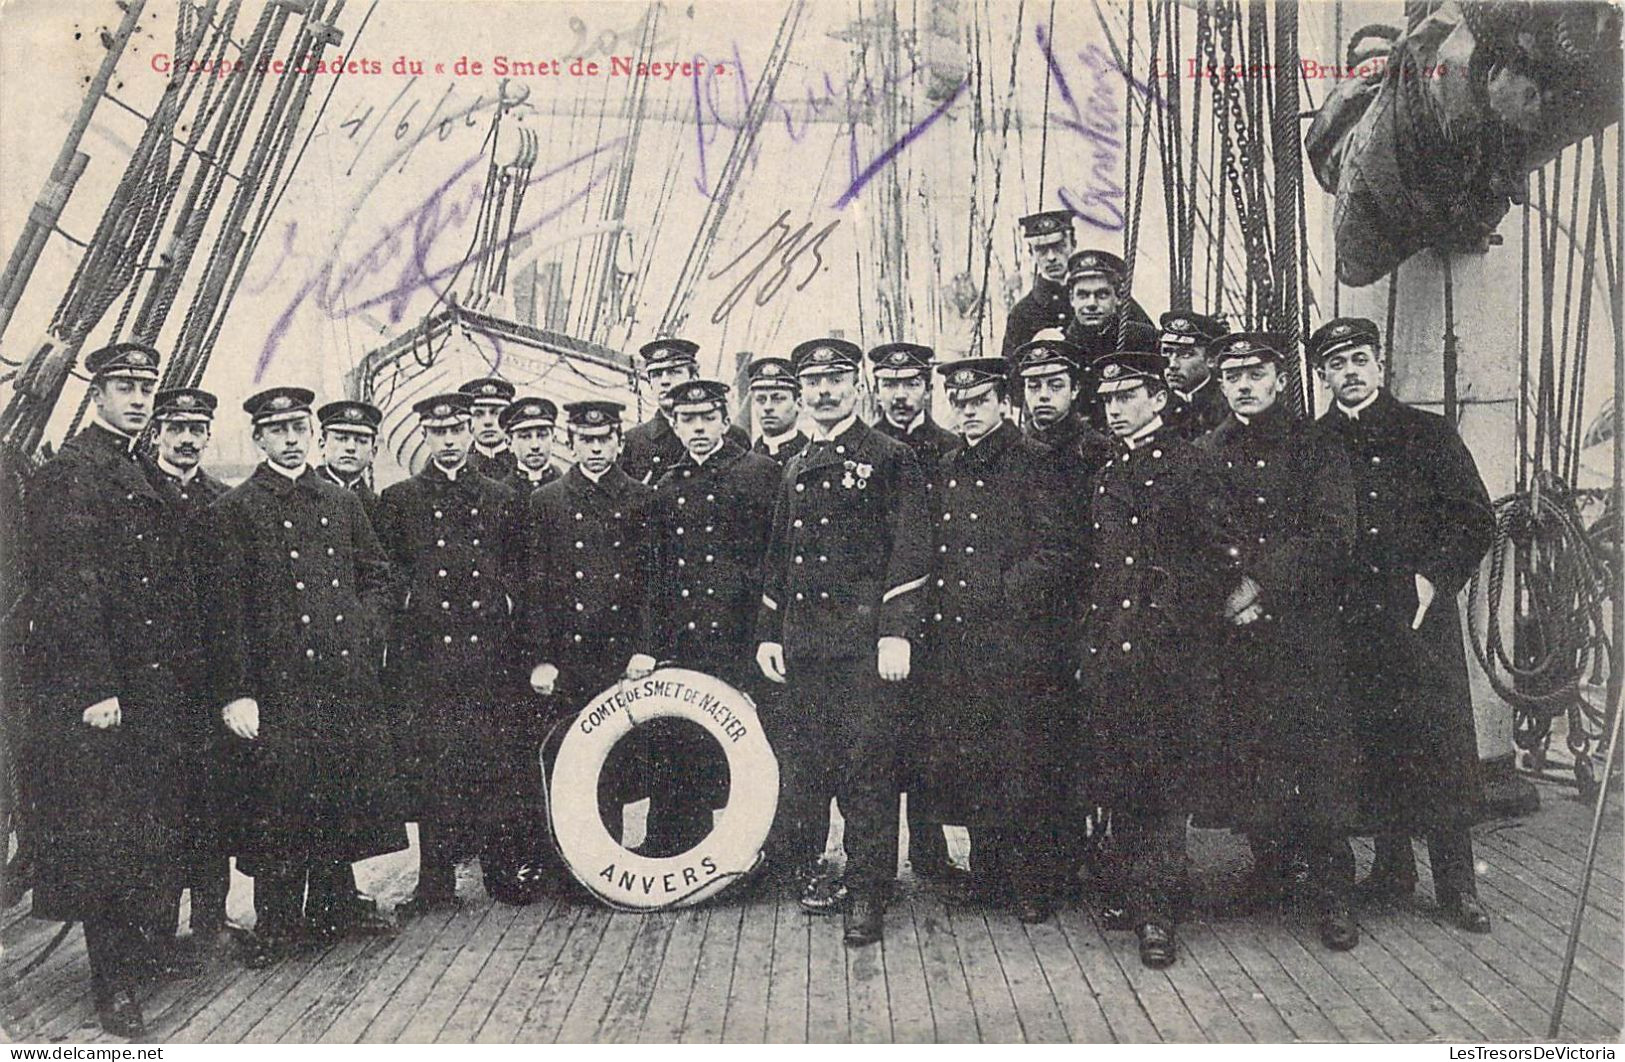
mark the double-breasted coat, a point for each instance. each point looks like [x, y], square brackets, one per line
[652, 448]
[1195, 415]
[108, 605]
[452, 661]
[784, 451]
[501, 466]
[1281, 678]
[994, 654]
[298, 593]
[1164, 557]
[1046, 305]
[358, 486]
[1423, 509]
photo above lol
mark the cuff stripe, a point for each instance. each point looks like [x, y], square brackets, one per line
[898, 591]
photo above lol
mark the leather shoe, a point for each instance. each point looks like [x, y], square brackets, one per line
[1033, 910]
[1157, 946]
[1337, 929]
[1467, 913]
[120, 1015]
[864, 920]
[825, 892]
[417, 905]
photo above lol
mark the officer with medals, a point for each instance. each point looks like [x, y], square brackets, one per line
[446, 531]
[775, 404]
[902, 375]
[1283, 694]
[105, 697]
[529, 424]
[1195, 405]
[652, 447]
[298, 594]
[1424, 525]
[1097, 286]
[845, 568]
[993, 733]
[1162, 578]
[586, 622]
[349, 444]
[712, 513]
[491, 456]
[184, 417]
[1049, 239]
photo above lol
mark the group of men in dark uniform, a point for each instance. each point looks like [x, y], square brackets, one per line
[1129, 587]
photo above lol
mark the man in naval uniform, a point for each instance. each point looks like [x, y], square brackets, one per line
[349, 444]
[775, 403]
[1097, 284]
[1195, 405]
[105, 693]
[491, 456]
[446, 532]
[1282, 694]
[586, 621]
[529, 424]
[1049, 241]
[184, 417]
[1425, 523]
[993, 733]
[1164, 575]
[652, 447]
[902, 375]
[1047, 370]
[845, 568]
[297, 598]
[712, 513]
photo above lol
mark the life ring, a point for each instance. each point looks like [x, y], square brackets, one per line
[621, 877]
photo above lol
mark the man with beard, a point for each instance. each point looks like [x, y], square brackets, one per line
[1097, 285]
[105, 695]
[298, 593]
[992, 740]
[530, 424]
[1425, 523]
[446, 532]
[349, 443]
[1195, 406]
[1163, 575]
[902, 374]
[845, 566]
[1049, 240]
[775, 403]
[184, 417]
[1283, 695]
[491, 456]
[712, 513]
[652, 447]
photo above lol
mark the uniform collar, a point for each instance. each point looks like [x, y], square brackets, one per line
[840, 429]
[1198, 389]
[110, 436]
[1145, 434]
[1353, 412]
[436, 470]
[491, 454]
[995, 442]
[590, 478]
[774, 443]
[536, 476]
[290, 476]
[908, 429]
[174, 473]
[327, 472]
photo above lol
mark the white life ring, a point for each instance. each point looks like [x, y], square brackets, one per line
[621, 877]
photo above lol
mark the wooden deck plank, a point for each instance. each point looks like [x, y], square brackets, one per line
[713, 977]
[996, 1018]
[1531, 846]
[1202, 998]
[465, 1020]
[787, 989]
[1076, 1002]
[1529, 897]
[662, 1019]
[908, 997]
[467, 960]
[868, 1010]
[416, 990]
[827, 1018]
[335, 999]
[579, 1023]
[415, 938]
[285, 977]
[1297, 1011]
[1398, 1023]
[284, 1012]
[1415, 994]
[1130, 1021]
[537, 966]
[1036, 1008]
[1257, 1018]
[1546, 938]
[1312, 974]
[1173, 1020]
[623, 1014]
[746, 1021]
[545, 1016]
[951, 1012]
[1555, 877]
[1482, 1014]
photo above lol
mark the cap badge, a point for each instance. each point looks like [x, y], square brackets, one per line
[488, 389]
[443, 410]
[281, 402]
[595, 416]
[185, 401]
[1181, 324]
[898, 357]
[136, 357]
[964, 377]
[1112, 372]
[352, 413]
[1340, 330]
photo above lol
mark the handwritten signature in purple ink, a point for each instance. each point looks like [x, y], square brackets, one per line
[780, 244]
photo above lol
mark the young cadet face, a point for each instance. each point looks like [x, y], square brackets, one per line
[1188, 366]
[776, 409]
[124, 403]
[1049, 398]
[1352, 373]
[830, 396]
[449, 443]
[487, 428]
[978, 414]
[533, 446]
[699, 430]
[284, 443]
[596, 451]
[1251, 389]
[1094, 300]
[901, 399]
[664, 378]
[349, 453]
[1050, 259]
[181, 442]
[1130, 410]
